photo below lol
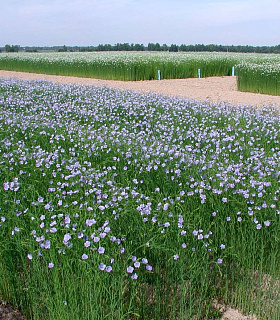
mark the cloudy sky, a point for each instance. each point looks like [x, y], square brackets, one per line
[92, 22]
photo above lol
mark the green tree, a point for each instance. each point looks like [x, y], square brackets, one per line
[164, 47]
[138, 47]
[63, 49]
[174, 48]
[13, 48]
[7, 48]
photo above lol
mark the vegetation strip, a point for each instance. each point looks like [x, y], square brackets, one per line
[256, 72]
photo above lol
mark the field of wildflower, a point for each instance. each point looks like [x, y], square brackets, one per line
[256, 72]
[116, 205]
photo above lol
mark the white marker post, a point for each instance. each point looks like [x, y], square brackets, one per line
[158, 74]
[198, 72]
[232, 72]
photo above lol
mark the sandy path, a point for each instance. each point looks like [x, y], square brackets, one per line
[215, 89]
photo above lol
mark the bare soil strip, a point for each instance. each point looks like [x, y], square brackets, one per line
[213, 89]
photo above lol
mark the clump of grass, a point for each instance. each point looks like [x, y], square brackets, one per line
[260, 78]
[126, 206]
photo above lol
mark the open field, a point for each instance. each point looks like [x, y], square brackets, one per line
[256, 72]
[119, 205]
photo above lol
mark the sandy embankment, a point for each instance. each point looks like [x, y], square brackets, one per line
[214, 89]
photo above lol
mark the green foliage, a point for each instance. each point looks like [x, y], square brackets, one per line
[12, 48]
[123, 65]
[260, 78]
[134, 66]
[174, 48]
[63, 49]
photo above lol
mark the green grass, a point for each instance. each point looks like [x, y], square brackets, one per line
[121, 65]
[260, 78]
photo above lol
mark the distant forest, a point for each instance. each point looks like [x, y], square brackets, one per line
[149, 47]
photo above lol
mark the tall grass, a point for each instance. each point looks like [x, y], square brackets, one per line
[129, 65]
[121, 66]
[259, 78]
[117, 205]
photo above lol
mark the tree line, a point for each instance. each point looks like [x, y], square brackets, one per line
[149, 47]
[13, 48]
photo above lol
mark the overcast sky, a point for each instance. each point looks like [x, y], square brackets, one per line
[92, 22]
